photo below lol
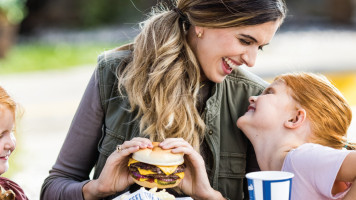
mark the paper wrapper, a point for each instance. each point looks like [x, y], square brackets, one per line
[143, 194]
[138, 195]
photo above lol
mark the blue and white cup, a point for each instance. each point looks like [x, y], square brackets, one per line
[270, 185]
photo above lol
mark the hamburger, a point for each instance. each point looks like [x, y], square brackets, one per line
[156, 167]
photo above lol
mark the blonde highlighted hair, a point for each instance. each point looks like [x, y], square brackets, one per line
[163, 78]
[327, 109]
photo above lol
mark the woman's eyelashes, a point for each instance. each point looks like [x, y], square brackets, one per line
[245, 42]
[248, 43]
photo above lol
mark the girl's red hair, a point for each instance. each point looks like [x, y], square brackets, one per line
[327, 109]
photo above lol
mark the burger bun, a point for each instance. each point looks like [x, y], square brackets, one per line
[158, 156]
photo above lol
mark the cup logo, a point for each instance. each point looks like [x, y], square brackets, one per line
[250, 187]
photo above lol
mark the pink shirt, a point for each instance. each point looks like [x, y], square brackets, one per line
[315, 168]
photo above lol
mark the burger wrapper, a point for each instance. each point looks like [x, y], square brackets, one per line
[143, 194]
[138, 195]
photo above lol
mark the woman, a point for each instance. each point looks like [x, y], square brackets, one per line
[303, 121]
[179, 79]
[8, 108]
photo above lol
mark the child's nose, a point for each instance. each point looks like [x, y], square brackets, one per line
[10, 142]
[252, 99]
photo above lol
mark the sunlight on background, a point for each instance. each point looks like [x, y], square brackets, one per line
[346, 83]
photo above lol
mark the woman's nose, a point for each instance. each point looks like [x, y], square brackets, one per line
[249, 57]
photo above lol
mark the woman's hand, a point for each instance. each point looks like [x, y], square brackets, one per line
[115, 175]
[195, 183]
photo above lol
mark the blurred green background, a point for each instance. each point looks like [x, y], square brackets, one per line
[35, 17]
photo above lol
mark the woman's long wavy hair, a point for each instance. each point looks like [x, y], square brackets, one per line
[327, 110]
[163, 78]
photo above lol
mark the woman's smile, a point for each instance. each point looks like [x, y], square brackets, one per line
[230, 64]
[226, 67]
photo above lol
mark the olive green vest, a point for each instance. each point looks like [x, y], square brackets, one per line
[227, 144]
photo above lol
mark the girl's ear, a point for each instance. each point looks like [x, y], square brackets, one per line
[296, 120]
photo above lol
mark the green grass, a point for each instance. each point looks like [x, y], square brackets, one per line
[39, 56]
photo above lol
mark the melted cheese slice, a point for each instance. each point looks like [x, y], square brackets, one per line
[143, 179]
[131, 161]
[168, 169]
[180, 174]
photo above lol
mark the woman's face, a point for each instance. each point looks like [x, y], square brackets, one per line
[221, 50]
[7, 138]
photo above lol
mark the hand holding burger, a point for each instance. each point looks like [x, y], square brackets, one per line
[156, 167]
[195, 183]
[115, 176]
